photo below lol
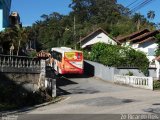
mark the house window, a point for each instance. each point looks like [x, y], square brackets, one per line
[151, 52]
[99, 37]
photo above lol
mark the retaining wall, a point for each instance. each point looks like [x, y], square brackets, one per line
[107, 73]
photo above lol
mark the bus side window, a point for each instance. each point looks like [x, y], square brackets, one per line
[59, 57]
[54, 54]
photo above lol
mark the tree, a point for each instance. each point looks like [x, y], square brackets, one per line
[138, 18]
[84, 10]
[7, 37]
[45, 17]
[16, 36]
[21, 37]
[56, 16]
[81, 9]
[158, 25]
[151, 14]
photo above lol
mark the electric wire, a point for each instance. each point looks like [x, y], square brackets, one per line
[132, 3]
[138, 6]
[143, 4]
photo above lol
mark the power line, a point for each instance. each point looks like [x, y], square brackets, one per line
[144, 3]
[140, 2]
[131, 3]
[139, 5]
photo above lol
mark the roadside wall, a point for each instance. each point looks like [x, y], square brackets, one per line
[99, 70]
[28, 81]
[107, 73]
[28, 72]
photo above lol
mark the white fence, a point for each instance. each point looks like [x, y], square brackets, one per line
[141, 82]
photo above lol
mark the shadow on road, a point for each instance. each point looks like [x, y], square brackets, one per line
[61, 92]
[89, 69]
[63, 82]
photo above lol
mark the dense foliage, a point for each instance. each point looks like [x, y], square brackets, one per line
[88, 15]
[117, 56]
[16, 36]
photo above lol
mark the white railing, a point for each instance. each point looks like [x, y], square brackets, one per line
[141, 82]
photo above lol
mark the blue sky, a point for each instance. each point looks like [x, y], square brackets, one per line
[31, 10]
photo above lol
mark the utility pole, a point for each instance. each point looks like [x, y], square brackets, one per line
[75, 31]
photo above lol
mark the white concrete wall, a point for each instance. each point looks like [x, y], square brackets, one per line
[102, 37]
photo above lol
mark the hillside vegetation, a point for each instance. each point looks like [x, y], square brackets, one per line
[88, 15]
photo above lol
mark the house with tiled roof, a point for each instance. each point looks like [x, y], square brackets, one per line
[145, 41]
[131, 36]
[96, 36]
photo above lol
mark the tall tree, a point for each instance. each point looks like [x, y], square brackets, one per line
[21, 37]
[45, 17]
[151, 14]
[137, 18]
[86, 9]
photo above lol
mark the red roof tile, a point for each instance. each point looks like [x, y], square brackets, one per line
[145, 36]
[43, 54]
[146, 40]
[133, 35]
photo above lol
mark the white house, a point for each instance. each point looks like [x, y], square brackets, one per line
[144, 41]
[97, 36]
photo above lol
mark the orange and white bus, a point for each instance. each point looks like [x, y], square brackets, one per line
[67, 60]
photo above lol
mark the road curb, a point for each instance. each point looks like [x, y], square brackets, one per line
[56, 100]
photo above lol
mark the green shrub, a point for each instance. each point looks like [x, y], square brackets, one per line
[157, 52]
[117, 56]
[156, 84]
[86, 55]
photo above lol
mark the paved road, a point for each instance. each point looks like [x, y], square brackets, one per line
[94, 96]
